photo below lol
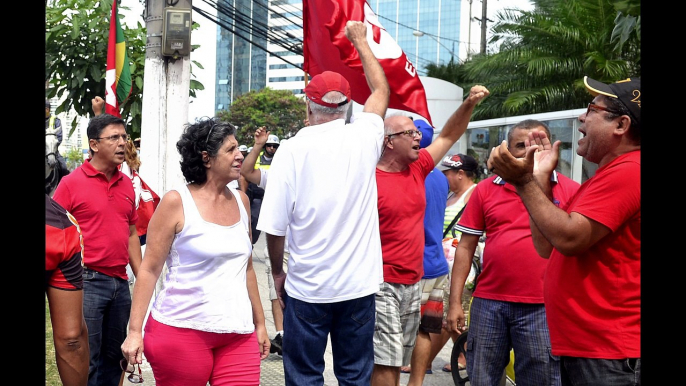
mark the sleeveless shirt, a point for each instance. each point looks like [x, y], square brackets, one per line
[205, 287]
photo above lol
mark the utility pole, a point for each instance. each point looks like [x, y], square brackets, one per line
[165, 104]
[469, 33]
[483, 26]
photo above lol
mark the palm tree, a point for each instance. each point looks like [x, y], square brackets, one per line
[544, 54]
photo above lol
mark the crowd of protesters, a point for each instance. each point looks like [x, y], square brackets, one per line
[349, 245]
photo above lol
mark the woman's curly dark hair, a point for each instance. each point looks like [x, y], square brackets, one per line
[206, 134]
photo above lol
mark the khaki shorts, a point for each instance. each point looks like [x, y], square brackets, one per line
[270, 278]
[432, 304]
[397, 321]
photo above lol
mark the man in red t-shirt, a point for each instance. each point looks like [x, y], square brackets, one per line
[401, 204]
[592, 286]
[507, 310]
[102, 200]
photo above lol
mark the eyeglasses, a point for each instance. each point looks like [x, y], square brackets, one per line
[133, 378]
[411, 133]
[271, 145]
[115, 138]
[595, 107]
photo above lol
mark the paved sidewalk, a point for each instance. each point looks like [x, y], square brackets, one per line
[272, 366]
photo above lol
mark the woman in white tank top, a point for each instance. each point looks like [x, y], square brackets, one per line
[207, 323]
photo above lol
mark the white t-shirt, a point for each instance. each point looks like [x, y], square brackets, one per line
[326, 193]
[263, 184]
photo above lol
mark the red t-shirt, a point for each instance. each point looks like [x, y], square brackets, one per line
[593, 300]
[402, 201]
[104, 210]
[512, 270]
[63, 268]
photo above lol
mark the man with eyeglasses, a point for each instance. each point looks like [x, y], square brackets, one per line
[102, 200]
[400, 178]
[326, 197]
[592, 286]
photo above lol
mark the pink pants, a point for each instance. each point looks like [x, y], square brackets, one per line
[187, 357]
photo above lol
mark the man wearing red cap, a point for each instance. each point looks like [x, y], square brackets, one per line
[327, 196]
[592, 285]
[400, 177]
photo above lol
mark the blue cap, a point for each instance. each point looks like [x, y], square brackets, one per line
[427, 132]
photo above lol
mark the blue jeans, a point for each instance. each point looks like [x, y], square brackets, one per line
[106, 308]
[495, 328]
[307, 326]
[600, 372]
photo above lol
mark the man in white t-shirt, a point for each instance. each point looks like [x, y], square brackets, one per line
[327, 196]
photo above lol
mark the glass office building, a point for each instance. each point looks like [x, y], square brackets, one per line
[241, 65]
[438, 20]
[427, 31]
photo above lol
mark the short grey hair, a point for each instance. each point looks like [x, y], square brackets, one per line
[388, 129]
[331, 97]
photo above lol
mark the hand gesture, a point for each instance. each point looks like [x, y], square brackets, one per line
[355, 31]
[476, 94]
[516, 171]
[98, 105]
[261, 135]
[546, 154]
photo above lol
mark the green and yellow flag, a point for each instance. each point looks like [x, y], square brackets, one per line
[118, 76]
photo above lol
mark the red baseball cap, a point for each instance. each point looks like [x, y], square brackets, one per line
[325, 82]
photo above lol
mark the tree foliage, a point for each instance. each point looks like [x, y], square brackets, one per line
[543, 55]
[76, 37]
[279, 111]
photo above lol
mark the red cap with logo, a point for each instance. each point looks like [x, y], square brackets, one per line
[325, 82]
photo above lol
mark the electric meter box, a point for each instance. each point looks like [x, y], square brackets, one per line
[176, 34]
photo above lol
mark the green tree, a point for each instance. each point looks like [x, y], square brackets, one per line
[543, 55]
[279, 111]
[76, 36]
[450, 72]
[74, 158]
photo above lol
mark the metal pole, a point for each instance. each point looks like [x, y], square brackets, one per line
[469, 33]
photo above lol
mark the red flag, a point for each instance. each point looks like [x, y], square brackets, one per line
[118, 76]
[146, 203]
[326, 48]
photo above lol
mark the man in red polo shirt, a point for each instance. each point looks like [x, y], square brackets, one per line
[102, 200]
[507, 310]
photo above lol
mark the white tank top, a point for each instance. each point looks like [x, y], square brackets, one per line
[205, 287]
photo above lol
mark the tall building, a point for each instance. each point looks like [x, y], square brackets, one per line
[241, 65]
[286, 22]
[428, 31]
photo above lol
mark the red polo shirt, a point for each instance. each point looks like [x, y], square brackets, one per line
[512, 270]
[104, 210]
